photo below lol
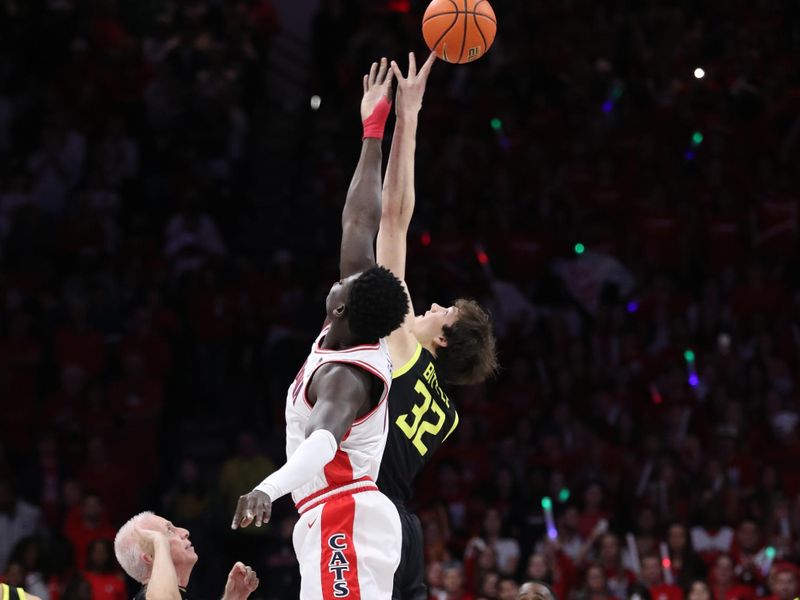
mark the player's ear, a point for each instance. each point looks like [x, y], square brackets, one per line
[339, 311]
[147, 559]
[440, 341]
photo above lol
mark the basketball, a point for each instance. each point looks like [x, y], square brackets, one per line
[459, 31]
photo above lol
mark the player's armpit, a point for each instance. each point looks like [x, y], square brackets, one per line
[402, 341]
[340, 394]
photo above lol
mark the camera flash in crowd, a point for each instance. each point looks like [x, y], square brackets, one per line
[316, 102]
[699, 73]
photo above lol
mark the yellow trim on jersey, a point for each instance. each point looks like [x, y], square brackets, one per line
[411, 362]
[455, 424]
[21, 594]
[5, 590]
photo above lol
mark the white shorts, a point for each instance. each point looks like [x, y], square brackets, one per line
[348, 547]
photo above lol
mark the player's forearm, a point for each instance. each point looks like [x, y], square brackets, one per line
[316, 451]
[398, 187]
[163, 583]
[362, 210]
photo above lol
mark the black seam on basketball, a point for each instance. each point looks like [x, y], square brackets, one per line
[446, 31]
[458, 12]
[464, 37]
[478, 27]
[475, 11]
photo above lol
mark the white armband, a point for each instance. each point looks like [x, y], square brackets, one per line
[316, 451]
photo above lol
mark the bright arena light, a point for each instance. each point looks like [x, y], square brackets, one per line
[316, 102]
[699, 73]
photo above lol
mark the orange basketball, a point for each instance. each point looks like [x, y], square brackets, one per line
[459, 31]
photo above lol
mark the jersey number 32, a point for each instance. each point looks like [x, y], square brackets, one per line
[412, 424]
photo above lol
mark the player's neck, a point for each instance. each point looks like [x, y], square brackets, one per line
[338, 338]
[429, 346]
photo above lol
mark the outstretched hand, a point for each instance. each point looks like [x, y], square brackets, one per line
[411, 89]
[255, 506]
[377, 85]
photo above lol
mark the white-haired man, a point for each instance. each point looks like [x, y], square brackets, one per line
[160, 556]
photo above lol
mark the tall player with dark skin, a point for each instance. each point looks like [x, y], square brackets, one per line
[340, 393]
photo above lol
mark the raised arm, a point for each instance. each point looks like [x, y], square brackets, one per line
[398, 191]
[398, 186]
[362, 209]
[163, 582]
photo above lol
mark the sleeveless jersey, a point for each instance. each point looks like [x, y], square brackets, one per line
[359, 454]
[421, 418]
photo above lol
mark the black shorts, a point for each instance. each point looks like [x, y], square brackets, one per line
[409, 579]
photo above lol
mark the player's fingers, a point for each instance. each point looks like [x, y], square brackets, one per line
[237, 516]
[382, 71]
[426, 68]
[373, 72]
[389, 77]
[396, 70]
[412, 65]
[366, 83]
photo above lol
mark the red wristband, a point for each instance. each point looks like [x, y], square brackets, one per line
[374, 124]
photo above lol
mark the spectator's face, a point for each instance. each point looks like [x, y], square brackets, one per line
[507, 590]
[699, 591]
[98, 555]
[537, 567]
[651, 571]
[92, 508]
[489, 585]
[784, 585]
[434, 575]
[534, 591]
[491, 524]
[15, 575]
[596, 580]
[452, 580]
[609, 549]
[428, 328]
[747, 536]
[676, 538]
[723, 570]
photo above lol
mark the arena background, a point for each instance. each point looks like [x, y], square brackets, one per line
[171, 180]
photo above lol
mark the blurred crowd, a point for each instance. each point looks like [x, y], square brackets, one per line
[613, 180]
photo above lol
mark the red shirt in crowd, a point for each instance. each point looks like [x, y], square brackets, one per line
[666, 591]
[106, 586]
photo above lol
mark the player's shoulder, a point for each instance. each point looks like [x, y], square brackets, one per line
[408, 358]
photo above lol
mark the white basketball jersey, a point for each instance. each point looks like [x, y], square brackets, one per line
[359, 454]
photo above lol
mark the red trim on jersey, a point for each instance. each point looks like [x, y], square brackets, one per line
[356, 363]
[340, 469]
[298, 505]
[368, 367]
[367, 488]
[338, 559]
[351, 349]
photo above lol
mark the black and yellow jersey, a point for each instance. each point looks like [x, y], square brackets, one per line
[421, 418]
[9, 592]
